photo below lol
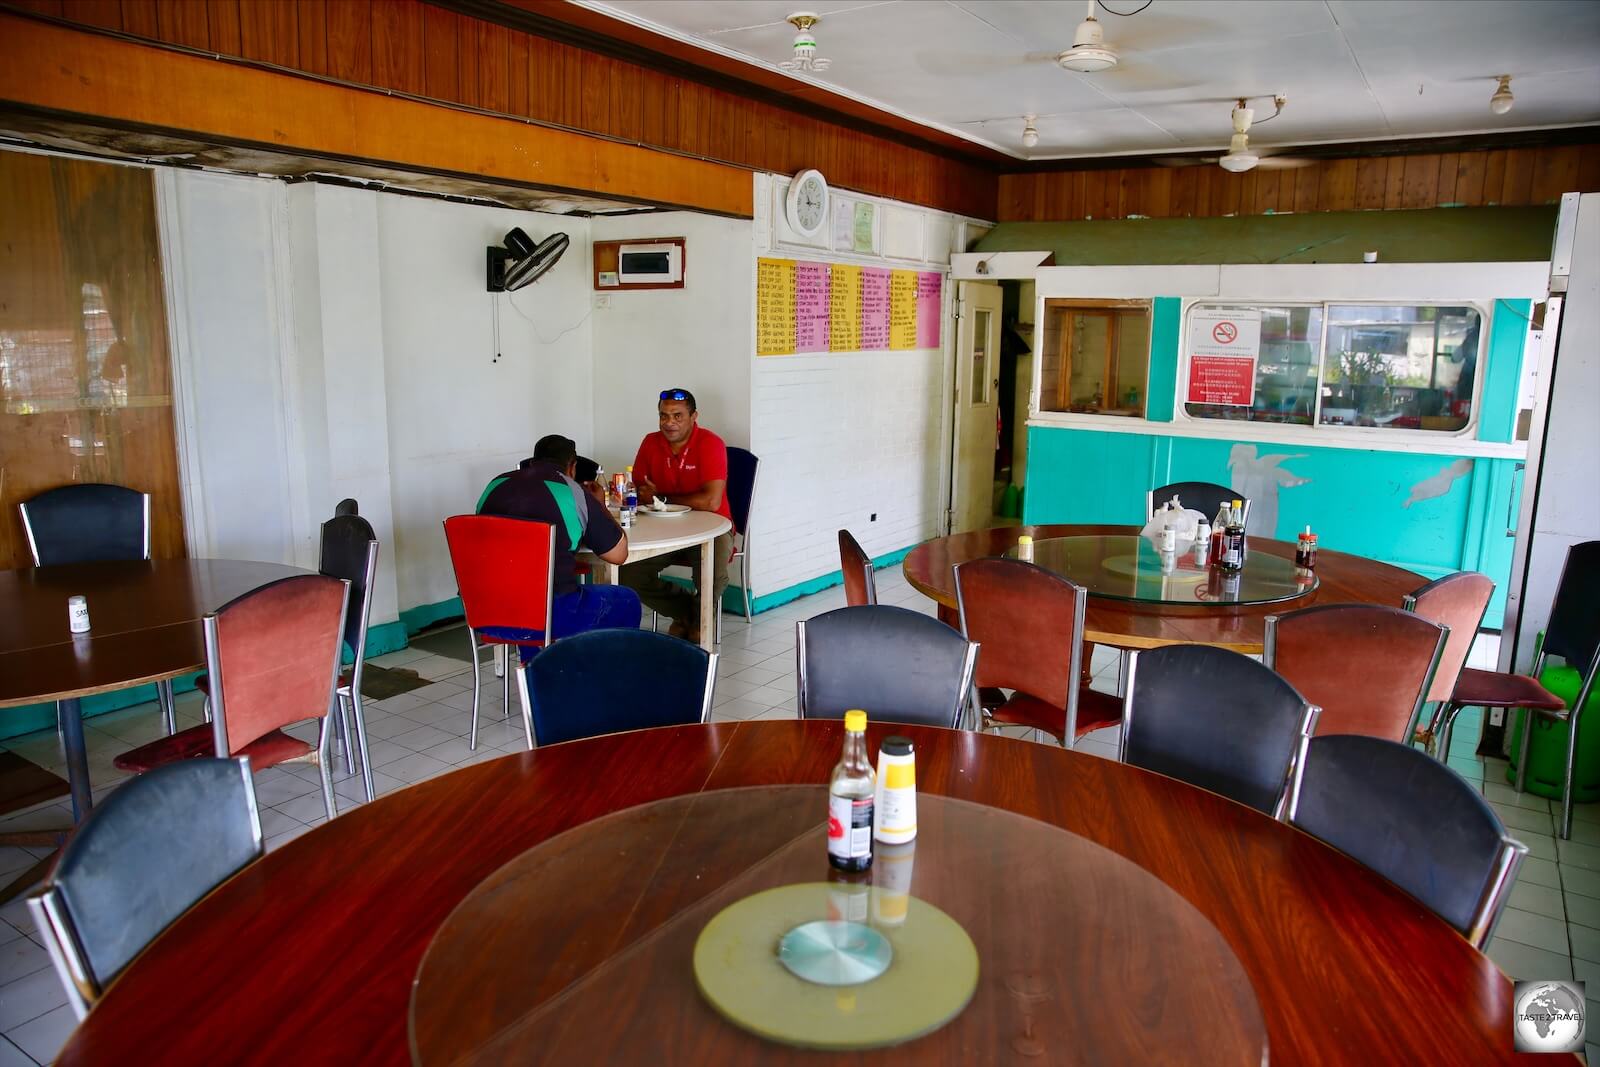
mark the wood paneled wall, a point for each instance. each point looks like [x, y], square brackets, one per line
[86, 393]
[412, 47]
[1506, 177]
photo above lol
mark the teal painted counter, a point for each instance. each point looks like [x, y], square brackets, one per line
[1429, 513]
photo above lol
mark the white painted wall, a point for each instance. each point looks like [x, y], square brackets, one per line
[695, 338]
[334, 342]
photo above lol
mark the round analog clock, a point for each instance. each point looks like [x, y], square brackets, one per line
[807, 206]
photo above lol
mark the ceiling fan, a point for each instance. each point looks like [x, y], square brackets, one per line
[1240, 157]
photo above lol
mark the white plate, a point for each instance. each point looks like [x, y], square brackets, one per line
[666, 512]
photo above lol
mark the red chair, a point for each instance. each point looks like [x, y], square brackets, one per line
[1368, 667]
[272, 658]
[1456, 602]
[859, 587]
[1029, 623]
[505, 572]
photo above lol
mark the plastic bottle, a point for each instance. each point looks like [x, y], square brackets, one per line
[850, 793]
[1025, 548]
[1219, 526]
[630, 499]
[1232, 559]
[895, 802]
[1202, 543]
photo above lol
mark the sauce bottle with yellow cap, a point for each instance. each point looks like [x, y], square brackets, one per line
[850, 794]
[1025, 548]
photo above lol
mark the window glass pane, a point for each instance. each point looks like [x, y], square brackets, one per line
[1286, 370]
[1401, 368]
[1094, 360]
[980, 358]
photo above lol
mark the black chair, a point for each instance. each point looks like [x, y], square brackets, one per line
[145, 856]
[742, 468]
[347, 506]
[1204, 497]
[1413, 820]
[606, 681]
[896, 664]
[350, 551]
[91, 522]
[1573, 633]
[1218, 720]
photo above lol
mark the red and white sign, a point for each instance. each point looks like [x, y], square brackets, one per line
[1223, 348]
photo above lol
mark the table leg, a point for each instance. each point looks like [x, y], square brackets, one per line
[69, 714]
[708, 607]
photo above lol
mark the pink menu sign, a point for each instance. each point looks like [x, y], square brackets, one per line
[874, 309]
[810, 307]
[929, 290]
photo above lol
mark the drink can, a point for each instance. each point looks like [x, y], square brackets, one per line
[78, 615]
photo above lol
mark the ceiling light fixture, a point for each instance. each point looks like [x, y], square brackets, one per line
[1501, 101]
[1089, 53]
[805, 44]
[1030, 135]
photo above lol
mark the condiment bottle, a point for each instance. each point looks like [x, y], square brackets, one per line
[1025, 548]
[1219, 526]
[895, 803]
[77, 615]
[850, 794]
[1232, 558]
[1305, 551]
[1169, 538]
[1202, 543]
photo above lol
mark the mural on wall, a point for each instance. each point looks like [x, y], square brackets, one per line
[1440, 483]
[1258, 479]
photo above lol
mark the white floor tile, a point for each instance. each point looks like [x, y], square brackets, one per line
[30, 997]
[43, 1037]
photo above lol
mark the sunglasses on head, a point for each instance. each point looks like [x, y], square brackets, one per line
[674, 394]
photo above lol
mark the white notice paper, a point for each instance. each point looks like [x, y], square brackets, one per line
[1223, 347]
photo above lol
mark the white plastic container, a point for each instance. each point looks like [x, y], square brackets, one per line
[895, 805]
[77, 614]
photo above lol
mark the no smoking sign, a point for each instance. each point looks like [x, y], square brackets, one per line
[1225, 333]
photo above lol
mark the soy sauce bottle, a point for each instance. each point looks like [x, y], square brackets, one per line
[850, 793]
[1232, 558]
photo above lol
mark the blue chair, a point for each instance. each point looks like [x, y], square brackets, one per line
[896, 664]
[741, 492]
[92, 522]
[606, 681]
[1413, 820]
[1204, 497]
[145, 856]
[1217, 720]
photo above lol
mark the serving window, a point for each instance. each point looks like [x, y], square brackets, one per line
[1095, 357]
[1398, 367]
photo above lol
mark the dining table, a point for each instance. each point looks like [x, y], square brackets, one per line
[656, 534]
[1136, 602]
[144, 626]
[663, 896]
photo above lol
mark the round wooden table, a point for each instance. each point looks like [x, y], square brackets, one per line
[655, 535]
[315, 949]
[144, 627]
[1342, 578]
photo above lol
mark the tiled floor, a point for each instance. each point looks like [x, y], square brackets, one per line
[1551, 930]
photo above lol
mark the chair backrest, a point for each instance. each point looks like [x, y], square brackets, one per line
[1218, 720]
[1573, 632]
[1204, 497]
[87, 523]
[605, 681]
[741, 488]
[860, 587]
[1367, 666]
[146, 855]
[1413, 820]
[350, 551]
[1030, 624]
[505, 571]
[273, 657]
[347, 506]
[896, 664]
[1456, 602]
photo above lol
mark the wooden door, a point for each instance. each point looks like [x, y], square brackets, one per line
[85, 375]
[977, 401]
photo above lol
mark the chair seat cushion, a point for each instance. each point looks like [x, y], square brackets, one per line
[1096, 711]
[196, 742]
[508, 635]
[1492, 689]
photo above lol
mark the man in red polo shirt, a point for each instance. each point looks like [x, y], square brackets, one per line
[687, 464]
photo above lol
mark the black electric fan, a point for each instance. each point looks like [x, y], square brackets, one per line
[520, 262]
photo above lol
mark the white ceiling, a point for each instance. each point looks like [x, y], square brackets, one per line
[1351, 69]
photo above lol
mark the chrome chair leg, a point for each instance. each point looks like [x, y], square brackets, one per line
[477, 685]
[360, 715]
[341, 722]
[1522, 750]
[324, 750]
[1566, 778]
[169, 705]
[527, 703]
[1441, 735]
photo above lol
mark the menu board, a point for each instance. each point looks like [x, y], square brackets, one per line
[821, 307]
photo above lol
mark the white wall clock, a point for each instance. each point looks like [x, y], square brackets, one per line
[807, 204]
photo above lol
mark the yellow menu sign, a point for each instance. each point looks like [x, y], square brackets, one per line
[774, 307]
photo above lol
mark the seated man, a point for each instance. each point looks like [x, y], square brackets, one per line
[543, 488]
[687, 464]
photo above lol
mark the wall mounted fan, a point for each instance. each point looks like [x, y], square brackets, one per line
[520, 262]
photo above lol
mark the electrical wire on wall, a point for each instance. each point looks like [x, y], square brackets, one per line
[536, 335]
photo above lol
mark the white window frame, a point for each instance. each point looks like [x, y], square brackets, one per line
[1325, 433]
